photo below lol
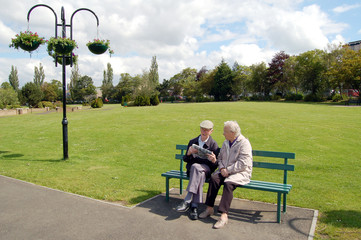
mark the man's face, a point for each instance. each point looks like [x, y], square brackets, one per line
[205, 132]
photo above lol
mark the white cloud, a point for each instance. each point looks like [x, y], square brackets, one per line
[345, 7]
[177, 32]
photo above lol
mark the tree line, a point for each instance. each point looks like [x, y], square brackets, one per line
[314, 75]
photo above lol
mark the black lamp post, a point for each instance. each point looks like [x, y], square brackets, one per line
[64, 57]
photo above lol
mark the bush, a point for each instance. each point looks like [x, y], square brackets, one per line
[337, 98]
[47, 104]
[154, 100]
[40, 105]
[294, 97]
[142, 101]
[97, 103]
[312, 98]
[58, 104]
[2, 105]
[14, 106]
[276, 97]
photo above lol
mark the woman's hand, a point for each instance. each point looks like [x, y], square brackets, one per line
[224, 172]
[212, 158]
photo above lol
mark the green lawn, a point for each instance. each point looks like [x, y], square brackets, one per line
[118, 154]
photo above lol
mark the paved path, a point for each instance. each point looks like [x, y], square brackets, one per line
[28, 211]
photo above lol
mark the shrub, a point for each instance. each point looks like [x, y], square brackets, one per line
[2, 105]
[154, 100]
[312, 98]
[58, 104]
[14, 106]
[47, 104]
[142, 101]
[294, 97]
[40, 105]
[336, 98]
[97, 103]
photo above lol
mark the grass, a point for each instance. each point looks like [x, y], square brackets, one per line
[118, 154]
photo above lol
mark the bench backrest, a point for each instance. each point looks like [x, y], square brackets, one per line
[277, 166]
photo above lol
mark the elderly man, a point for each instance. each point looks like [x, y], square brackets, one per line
[234, 169]
[199, 167]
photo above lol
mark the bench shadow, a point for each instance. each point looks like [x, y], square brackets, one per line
[159, 206]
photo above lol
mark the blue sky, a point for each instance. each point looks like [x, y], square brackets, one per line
[184, 33]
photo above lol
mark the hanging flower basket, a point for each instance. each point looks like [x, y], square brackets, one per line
[27, 41]
[67, 60]
[61, 46]
[99, 46]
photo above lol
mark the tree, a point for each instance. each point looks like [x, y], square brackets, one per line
[289, 74]
[275, 73]
[107, 85]
[39, 75]
[74, 79]
[346, 70]
[222, 88]
[52, 91]
[153, 73]
[240, 79]
[8, 96]
[32, 94]
[311, 69]
[183, 83]
[14, 79]
[258, 80]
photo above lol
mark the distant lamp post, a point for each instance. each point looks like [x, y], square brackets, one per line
[64, 54]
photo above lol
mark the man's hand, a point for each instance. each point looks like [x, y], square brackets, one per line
[212, 158]
[191, 150]
[224, 172]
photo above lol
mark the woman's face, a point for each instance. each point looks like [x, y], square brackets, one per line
[230, 136]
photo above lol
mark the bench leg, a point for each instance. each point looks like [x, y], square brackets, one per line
[284, 202]
[180, 186]
[279, 195]
[167, 189]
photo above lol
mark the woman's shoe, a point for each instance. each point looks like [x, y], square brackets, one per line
[220, 223]
[206, 213]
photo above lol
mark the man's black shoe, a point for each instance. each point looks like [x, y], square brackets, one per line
[182, 207]
[194, 213]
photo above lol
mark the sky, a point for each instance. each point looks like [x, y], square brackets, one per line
[181, 34]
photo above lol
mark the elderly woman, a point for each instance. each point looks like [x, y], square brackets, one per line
[199, 167]
[234, 169]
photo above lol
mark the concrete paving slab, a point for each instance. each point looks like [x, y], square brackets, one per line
[28, 211]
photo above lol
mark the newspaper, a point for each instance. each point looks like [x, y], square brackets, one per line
[202, 152]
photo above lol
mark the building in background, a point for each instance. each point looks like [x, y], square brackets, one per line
[356, 45]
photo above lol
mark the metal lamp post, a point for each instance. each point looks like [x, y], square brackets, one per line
[63, 25]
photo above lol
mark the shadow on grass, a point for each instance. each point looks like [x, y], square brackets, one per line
[343, 218]
[147, 194]
[17, 157]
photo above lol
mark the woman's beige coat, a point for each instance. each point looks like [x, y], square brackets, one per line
[237, 160]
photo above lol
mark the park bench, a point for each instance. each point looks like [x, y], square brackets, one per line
[279, 188]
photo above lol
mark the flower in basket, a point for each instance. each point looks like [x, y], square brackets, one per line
[27, 41]
[98, 46]
[60, 46]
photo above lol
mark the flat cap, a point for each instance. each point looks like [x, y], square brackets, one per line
[206, 124]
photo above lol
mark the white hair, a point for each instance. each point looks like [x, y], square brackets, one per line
[233, 127]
